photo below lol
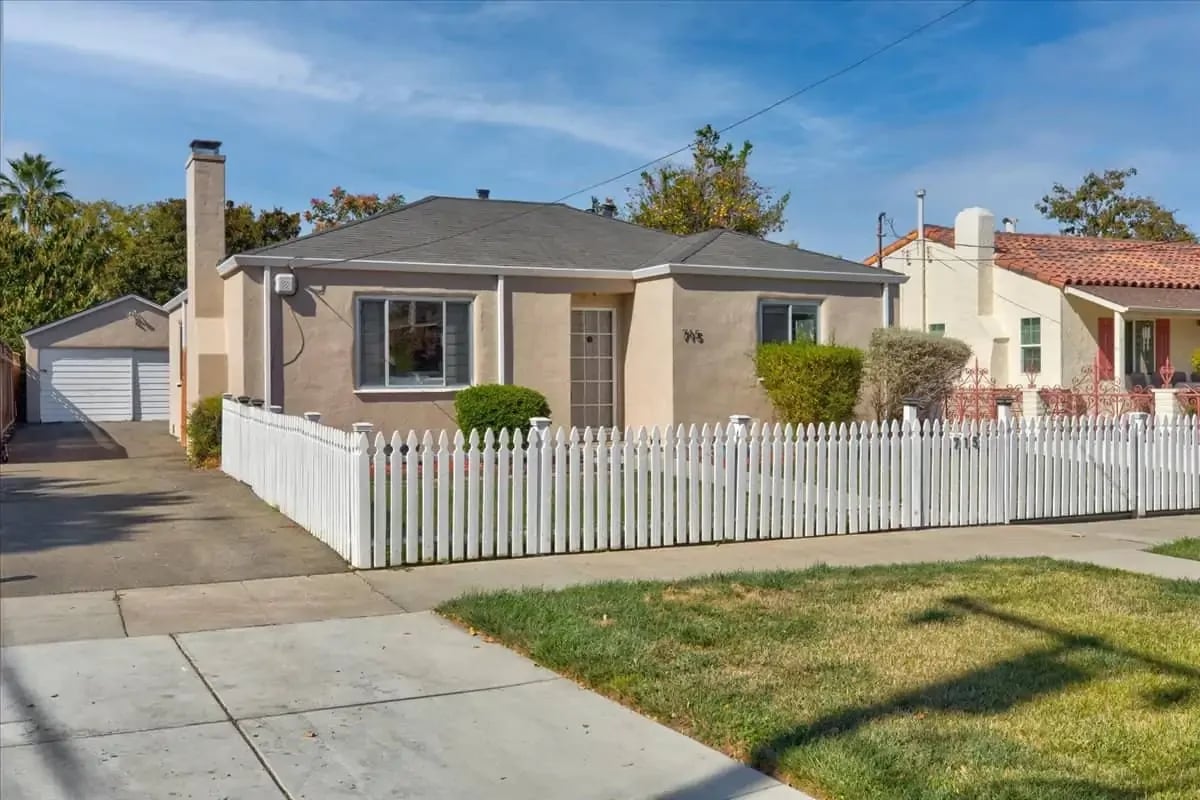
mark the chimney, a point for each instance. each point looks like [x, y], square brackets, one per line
[975, 243]
[483, 194]
[1010, 224]
[608, 208]
[206, 357]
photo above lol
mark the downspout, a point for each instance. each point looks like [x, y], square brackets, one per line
[267, 336]
[921, 250]
[501, 331]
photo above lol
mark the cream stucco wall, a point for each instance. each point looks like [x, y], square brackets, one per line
[1080, 336]
[649, 380]
[244, 332]
[952, 300]
[175, 330]
[108, 327]
[717, 377]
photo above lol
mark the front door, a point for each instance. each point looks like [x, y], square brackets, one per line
[593, 362]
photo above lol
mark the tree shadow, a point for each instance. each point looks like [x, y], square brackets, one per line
[58, 442]
[990, 689]
[48, 513]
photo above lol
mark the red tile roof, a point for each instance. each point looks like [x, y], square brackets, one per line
[1083, 261]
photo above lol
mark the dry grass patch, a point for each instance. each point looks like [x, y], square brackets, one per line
[992, 679]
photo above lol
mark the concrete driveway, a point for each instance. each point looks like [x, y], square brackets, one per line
[87, 508]
[400, 706]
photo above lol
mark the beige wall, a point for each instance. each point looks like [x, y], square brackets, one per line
[649, 385]
[316, 353]
[109, 327]
[717, 378]
[175, 323]
[244, 333]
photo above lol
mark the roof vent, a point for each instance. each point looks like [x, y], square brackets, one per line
[206, 147]
[483, 194]
[1010, 224]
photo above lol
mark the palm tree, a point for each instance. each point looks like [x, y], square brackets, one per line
[33, 192]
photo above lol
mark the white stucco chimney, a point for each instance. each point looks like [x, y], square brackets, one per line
[975, 243]
[205, 323]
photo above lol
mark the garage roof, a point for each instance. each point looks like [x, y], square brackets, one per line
[136, 297]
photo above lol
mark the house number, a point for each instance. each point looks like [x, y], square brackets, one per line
[693, 336]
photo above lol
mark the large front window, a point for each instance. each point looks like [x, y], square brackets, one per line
[787, 322]
[405, 342]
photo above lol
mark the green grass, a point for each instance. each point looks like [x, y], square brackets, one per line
[1006, 680]
[1180, 548]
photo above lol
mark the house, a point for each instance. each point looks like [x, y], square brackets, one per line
[107, 363]
[1051, 309]
[384, 319]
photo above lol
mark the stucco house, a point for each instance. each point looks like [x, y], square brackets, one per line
[1051, 309]
[384, 319]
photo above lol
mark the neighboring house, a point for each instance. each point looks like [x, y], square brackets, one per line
[105, 364]
[384, 319]
[1047, 308]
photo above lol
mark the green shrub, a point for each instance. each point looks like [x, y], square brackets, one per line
[1196, 360]
[810, 383]
[906, 363]
[498, 407]
[204, 432]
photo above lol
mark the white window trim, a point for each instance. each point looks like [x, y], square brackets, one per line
[359, 388]
[781, 301]
[1022, 347]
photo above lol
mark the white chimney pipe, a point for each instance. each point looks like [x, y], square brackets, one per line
[1010, 224]
[921, 252]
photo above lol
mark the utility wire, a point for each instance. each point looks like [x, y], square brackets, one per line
[809, 87]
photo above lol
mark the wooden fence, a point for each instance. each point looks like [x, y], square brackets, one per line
[420, 498]
[10, 378]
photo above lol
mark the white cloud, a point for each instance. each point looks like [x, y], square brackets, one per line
[173, 42]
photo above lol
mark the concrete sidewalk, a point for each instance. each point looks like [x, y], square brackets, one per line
[398, 706]
[180, 609]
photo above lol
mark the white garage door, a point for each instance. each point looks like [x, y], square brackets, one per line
[153, 376]
[103, 385]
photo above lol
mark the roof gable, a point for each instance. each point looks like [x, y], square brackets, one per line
[127, 298]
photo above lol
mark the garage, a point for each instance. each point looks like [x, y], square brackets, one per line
[106, 364]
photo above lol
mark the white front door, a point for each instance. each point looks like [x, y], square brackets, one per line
[593, 367]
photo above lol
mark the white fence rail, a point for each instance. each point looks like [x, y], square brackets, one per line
[418, 499]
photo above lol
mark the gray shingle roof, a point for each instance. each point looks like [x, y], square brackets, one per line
[452, 230]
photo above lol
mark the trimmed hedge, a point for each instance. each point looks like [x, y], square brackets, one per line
[1196, 360]
[908, 363]
[204, 432]
[810, 383]
[498, 407]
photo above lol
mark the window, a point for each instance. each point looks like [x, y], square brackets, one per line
[410, 342]
[1031, 345]
[1139, 347]
[787, 322]
[938, 328]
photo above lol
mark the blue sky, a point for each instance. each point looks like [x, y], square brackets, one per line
[534, 100]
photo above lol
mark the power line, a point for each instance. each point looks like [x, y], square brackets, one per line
[809, 87]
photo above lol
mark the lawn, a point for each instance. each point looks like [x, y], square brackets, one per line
[990, 679]
[1180, 548]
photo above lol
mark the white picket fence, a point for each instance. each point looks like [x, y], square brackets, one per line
[419, 499]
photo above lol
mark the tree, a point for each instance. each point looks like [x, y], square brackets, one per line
[343, 207]
[1099, 207]
[714, 192]
[33, 192]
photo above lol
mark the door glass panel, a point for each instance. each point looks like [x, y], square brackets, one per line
[592, 368]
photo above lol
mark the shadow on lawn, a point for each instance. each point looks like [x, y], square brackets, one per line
[992, 689]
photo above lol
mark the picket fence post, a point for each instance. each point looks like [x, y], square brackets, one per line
[1142, 458]
[360, 497]
[1004, 420]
